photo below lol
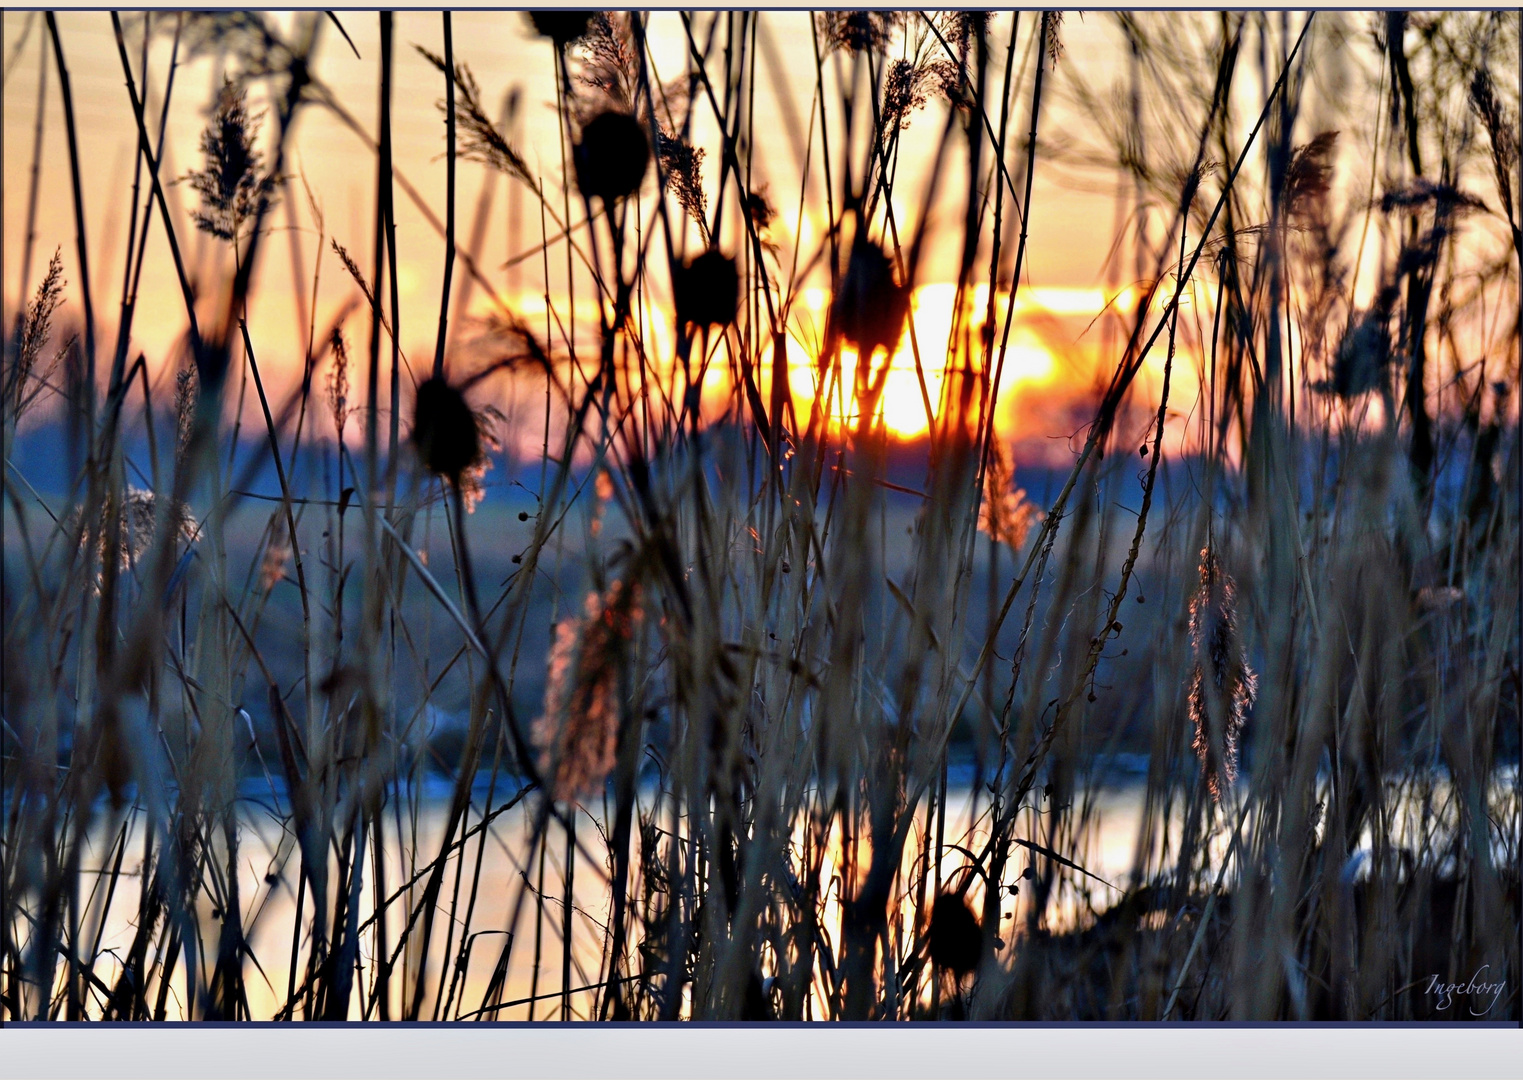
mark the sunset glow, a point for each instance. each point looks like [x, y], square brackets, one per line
[760, 516]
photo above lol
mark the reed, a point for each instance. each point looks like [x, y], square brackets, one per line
[697, 693]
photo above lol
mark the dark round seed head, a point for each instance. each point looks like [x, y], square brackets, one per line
[870, 308]
[562, 27]
[956, 936]
[612, 157]
[706, 290]
[444, 429]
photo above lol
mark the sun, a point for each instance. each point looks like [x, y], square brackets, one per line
[908, 390]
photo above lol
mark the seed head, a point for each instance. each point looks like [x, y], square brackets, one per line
[272, 568]
[858, 31]
[1005, 513]
[577, 735]
[36, 327]
[137, 518]
[338, 382]
[187, 392]
[706, 290]
[612, 156]
[1222, 685]
[231, 188]
[1309, 177]
[444, 430]
[562, 27]
[956, 937]
[682, 171]
[870, 308]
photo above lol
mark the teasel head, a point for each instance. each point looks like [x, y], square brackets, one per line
[1222, 686]
[706, 290]
[612, 156]
[560, 26]
[956, 939]
[870, 307]
[577, 734]
[444, 430]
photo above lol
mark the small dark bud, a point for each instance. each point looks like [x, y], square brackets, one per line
[1139, 598]
[1143, 450]
[1091, 697]
[444, 430]
[562, 27]
[612, 157]
[1030, 872]
[955, 935]
[523, 515]
[1117, 627]
[706, 290]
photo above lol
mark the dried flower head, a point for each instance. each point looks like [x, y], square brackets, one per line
[610, 63]
[444, 430]
[277, 552]
[136, 528]
[187, 392]
[1005, 513]
[1501, 129]
[955, 935]
[1222, 686]
[682, 171]
[760, 208]
[869, 310]
[858, 31]
[909, 85]
[473, 480]
[577, 735]
[1364, 356]
[1309, 177]
[706, 290]
[231, 187]
[36, 328]
[960, 27]
[1445, 198]
[338, 382]
[476, 136]
[560, 26]
[611, 157]
[1052, 22]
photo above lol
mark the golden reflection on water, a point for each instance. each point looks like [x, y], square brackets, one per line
[269, 906]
